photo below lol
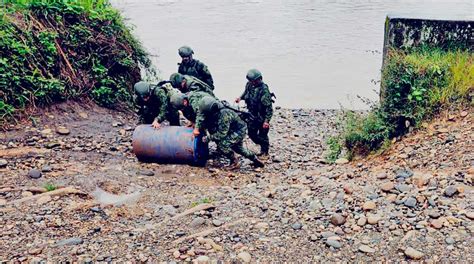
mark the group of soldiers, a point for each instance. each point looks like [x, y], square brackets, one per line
[191, 91]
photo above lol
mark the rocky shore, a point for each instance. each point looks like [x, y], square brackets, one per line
[72, 190]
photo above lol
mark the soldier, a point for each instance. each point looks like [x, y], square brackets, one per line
[192, 67]
[226, 129]
[189, 104]
[154, 104]
[186, 83]
[259, 103]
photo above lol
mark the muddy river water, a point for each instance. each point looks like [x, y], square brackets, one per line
[312, 53]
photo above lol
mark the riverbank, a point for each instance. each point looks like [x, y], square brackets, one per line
[412, 202]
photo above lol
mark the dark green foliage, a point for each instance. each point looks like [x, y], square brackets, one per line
[56, 50]
[335, 149]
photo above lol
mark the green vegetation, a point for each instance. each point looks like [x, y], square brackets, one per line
[204, 200]
[417, 85]
[50, 187]
[51, 51]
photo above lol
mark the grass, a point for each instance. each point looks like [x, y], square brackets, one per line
[50, 187]
[204, 200]
[416, 86]
[52, 51]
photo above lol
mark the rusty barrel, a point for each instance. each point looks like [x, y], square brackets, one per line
[169, 144]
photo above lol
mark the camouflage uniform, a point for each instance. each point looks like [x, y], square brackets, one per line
[259, 103]
[228, 131]
[194, 84]
[158, 107]
[192, 110]
[197, 69]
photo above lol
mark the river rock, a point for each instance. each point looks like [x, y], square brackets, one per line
[403, 174]
[216, 222]
[382, 176]
[438, 223]
[297, 226]
[337, 219]
[63, 131]
[342, 161]
[146, 172]
[366, 249]
[70, 242]
[245, 257]
[3, 163]
[46, 168]
[198, 221]
[44, 199]
[369, 205]
[373, 219]
[421, 180]
[203, 260]
[51, 145]
[450, 240]
[450, 191]
[413, 253]
[410, 202]
[333, 243]
[403, 187]
[470, 215]
[46, 131]
[386, 187]
[327, 234]
[362, 221]
[34, 174]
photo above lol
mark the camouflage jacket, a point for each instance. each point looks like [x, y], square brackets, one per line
[197, 69]
[191, 111]
[259, 101]
[194, 84]
[157, 107]
[222, 123]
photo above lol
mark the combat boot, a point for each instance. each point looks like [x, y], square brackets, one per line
[258, 163]
[234, 162]
[263, 155]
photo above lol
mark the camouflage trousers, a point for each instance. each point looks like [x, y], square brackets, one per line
[234, 141]
[259, 135]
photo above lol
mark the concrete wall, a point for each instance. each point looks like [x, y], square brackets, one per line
[405, 33]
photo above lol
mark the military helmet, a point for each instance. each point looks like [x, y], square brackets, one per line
[208, 105]
[185, 51]
[176, 79]
[142, 89]
[176, 100]
[253, 75]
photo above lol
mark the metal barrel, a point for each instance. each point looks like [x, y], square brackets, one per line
[169, 144]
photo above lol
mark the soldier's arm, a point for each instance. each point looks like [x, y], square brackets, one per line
[206, 74]
[267, 103]
[199, 120]
[242, 97]
[222, 129]
[163, 107]
[181, 69]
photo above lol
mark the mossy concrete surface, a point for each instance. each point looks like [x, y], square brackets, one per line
[406, 33]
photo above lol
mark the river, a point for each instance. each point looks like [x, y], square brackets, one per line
[313, 54]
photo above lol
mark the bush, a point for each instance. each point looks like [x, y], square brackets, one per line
[416, 85]
[57, 50]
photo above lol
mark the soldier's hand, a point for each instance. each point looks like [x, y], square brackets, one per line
[237, 100]
[266, 125]
[205, 139]
[196, 132]
[156, 125]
